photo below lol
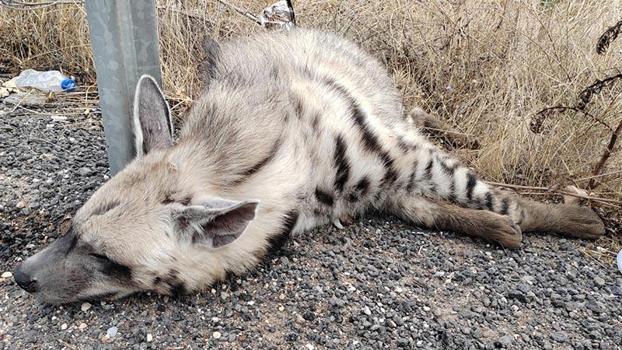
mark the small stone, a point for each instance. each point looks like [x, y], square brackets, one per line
[149, 337]
[82, 326]
[559, 337]
[84, 171]
[310, 346]
[281, 308]
[112, 331]
[599, 281]
[21, 204]
[58, 118]
[506, 340]
[85, 307]
[7, 274]
[63, 326]
[216, 335]
[366, 310]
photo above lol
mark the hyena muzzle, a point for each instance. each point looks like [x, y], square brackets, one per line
[294, 130]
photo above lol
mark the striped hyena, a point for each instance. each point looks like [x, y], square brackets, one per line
[294, 130]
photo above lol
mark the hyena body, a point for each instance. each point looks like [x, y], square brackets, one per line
[294, 130]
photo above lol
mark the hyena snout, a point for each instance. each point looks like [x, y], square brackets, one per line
[24, 279]
[52, 274]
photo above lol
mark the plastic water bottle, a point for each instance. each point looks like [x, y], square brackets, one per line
[45, 81]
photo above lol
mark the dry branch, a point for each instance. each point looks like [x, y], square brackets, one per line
[608, 37]
[552, 191]
[606, 154]
[240, 10]
[31, 5]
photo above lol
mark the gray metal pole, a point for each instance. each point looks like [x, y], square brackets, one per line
[124, 37]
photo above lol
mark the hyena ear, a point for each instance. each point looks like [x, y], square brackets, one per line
[153, 127]
[215, 222]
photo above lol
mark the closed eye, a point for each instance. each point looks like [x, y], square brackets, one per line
[100, 256]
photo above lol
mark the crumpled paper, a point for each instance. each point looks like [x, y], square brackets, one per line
[278, 16]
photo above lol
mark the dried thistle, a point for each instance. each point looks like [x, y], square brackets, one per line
[584, 98]
[586, 95]
[608, 37]
[537, 121]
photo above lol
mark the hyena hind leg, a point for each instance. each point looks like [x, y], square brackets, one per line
[566, 219]
[440, 215]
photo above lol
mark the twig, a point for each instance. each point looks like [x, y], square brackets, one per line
[553, 191]
[600, 175]
[22, 5]
[603, 159]
[538, 119]
[586, 95]
[240, 10]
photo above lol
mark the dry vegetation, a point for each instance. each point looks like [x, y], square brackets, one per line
[487, 67]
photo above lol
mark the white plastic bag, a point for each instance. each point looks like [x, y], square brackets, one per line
[278, 16]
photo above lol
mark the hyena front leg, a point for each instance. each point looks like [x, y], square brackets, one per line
[441, 215]
[440, 128]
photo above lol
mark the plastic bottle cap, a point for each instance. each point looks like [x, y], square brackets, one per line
[68, 84]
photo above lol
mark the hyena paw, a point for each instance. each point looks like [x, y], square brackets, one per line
[581, 222]
[504, 231]
[343, 221]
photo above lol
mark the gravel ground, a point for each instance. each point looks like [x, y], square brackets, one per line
[376, 284]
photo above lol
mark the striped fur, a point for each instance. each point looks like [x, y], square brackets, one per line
[313, 129]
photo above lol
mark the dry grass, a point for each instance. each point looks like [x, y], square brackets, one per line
[485, 66]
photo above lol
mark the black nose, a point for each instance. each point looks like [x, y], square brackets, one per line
[24, 280]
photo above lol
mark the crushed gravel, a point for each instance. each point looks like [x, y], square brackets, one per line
[376, 284]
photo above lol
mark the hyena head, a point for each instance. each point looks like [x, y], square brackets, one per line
[144, 229]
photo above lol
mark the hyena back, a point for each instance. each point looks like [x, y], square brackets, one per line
[294, 130]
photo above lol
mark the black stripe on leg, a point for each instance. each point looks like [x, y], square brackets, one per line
[341, 163]
[505, 206]
[471, 182]
[360, 190]
[449, 171]
[428, 168]
[413, 177]
[289, 222]
[315, 122]
[390, 176]
[324, 197]
[298, 107]
[489, 201]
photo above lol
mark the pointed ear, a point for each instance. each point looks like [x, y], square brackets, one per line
[153, 128]
[214, 223]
